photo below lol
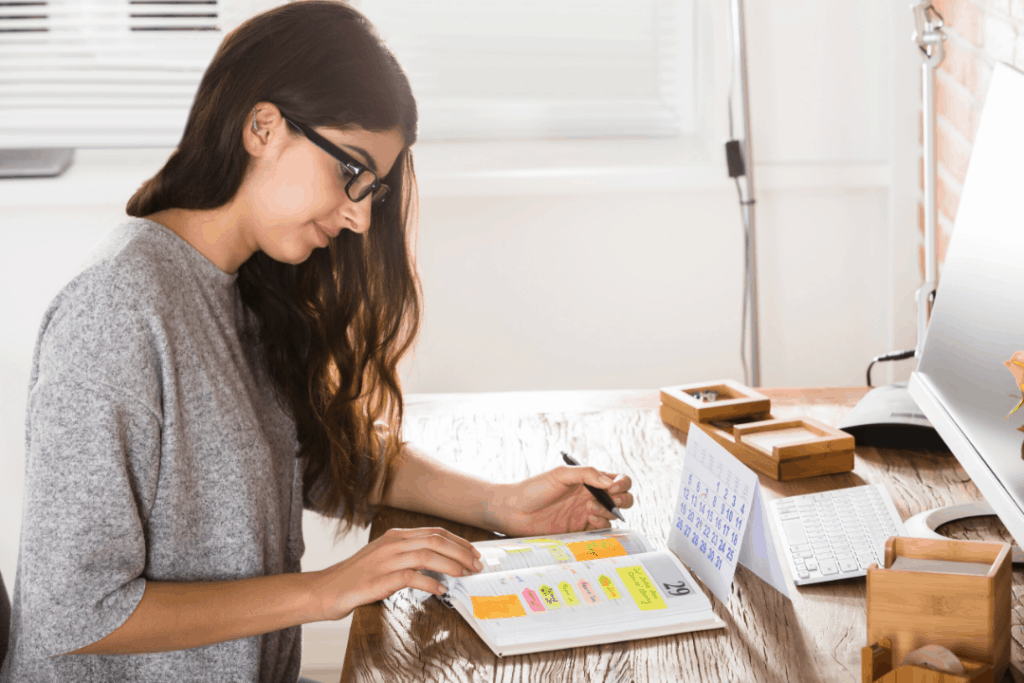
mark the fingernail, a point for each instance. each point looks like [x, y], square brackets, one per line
[479, 565]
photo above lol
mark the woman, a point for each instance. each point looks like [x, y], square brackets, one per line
[228, 359]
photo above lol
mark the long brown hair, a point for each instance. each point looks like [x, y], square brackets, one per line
[332, 329]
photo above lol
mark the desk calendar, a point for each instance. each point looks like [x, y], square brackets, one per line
[719, 519]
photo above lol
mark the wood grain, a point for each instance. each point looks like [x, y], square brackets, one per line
[816, 636]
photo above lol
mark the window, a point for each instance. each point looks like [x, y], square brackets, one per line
[123, 73]
[101, 73]
[485, 69]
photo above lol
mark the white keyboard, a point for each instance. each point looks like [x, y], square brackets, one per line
[836, 534]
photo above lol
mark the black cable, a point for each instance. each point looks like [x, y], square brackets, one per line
[895, 355]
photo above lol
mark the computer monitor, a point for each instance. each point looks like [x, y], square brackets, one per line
[977, 322]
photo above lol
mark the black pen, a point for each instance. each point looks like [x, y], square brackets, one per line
[602, 496]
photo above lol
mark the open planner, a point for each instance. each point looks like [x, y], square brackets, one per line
[568, 590]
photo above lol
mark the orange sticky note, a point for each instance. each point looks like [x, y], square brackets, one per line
[497, 606]
[596, 549]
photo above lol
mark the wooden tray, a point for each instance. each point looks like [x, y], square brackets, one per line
[734, 400]
[823, 451]
[788, 439]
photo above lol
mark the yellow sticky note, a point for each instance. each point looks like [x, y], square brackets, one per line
[497, 606]
[641, 587]
[515, 548]
[558, 552]
[597, 548]
[547, 594]
[541, 541]
[567, 594]
[609, 587]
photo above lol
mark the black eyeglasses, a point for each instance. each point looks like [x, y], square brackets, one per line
[362, 183]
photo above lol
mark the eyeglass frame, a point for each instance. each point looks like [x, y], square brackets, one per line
[351, 164]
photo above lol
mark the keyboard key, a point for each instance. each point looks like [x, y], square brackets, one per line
[794, 532]
[828, 567]
[807, 554]
[811, 565]
[786, 516]
[800, 547]
[847, 565]
[804, 575]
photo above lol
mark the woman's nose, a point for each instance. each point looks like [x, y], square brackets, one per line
[355, 215]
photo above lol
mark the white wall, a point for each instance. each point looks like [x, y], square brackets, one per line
[543, 269]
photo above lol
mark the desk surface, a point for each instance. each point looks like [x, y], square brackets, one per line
[506, 437]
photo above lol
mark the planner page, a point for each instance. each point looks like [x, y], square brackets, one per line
[538, 551]
[611, 595]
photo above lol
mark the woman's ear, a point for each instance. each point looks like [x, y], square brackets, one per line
[265, 128]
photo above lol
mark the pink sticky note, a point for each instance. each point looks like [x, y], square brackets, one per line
[589, 596]
[533, 600]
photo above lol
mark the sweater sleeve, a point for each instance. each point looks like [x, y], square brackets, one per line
[92, 462]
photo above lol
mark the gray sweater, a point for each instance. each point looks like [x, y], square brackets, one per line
[155, 450]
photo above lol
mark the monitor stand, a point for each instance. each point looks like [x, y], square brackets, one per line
[34, 163]
[924, 524]
[887, 417]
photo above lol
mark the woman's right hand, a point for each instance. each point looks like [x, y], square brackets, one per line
[389, 564]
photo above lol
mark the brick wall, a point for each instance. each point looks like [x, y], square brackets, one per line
[979, 34]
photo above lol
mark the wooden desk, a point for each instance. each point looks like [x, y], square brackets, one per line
[506, 437]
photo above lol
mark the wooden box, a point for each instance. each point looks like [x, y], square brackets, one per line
[968, 613]
[877, 667]
[782, 449]
[734, 400]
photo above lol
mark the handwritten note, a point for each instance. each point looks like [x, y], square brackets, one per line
[640, 586]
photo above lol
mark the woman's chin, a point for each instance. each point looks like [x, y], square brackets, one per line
[293, 254]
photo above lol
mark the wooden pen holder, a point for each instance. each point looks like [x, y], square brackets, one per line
[741, 422]
[950, 593]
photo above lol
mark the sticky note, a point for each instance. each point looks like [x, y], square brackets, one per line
[515, 548]
[640, 586]
[558, 552]
[532, 600]
[497, 606]
[609, 587]
[541, 541]
[565, 588]
[588, 592]
[547, 594]
[597, 548]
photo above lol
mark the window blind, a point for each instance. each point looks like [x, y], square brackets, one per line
[544, 68]
[123, 73]
[101, 73]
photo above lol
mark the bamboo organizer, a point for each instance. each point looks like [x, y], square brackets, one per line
[967, 613]
[876, 667]
[740, 420]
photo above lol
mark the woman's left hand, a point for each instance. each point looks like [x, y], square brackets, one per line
[556, 502]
